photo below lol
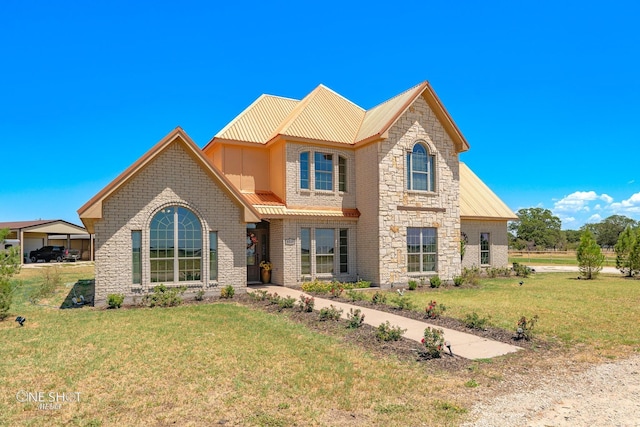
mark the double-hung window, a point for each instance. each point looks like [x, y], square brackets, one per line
[304, 170]
[323, 164]
[422, 249]
[325, 249]
[420, 169]
[485, 249]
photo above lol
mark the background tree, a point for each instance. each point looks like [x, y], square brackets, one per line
[623, 247]
[607, 231]
[9, 265]
[537, 226]
[590, 257]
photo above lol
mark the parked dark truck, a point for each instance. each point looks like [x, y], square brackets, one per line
[47, 253]
[71, 255]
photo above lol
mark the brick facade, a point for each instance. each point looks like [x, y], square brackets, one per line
[172, 178]
[499, 244]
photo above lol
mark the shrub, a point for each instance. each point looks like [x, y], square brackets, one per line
[306, 304]
[379, 298]
[435, 281]
[433, 341]
[471, 276]
[525, 328]
[317, 287]
[474, 321]
[458, 281]
[50, 281]
[402, 301]
[227, 292]
[9, 265]
[199, 295]
[361, 284]
[162, 296]
[521, 270]
[354, 295]
[413, 285]
[6, 297]
[330, 313]
[386, 332]
[355, 318]
[115, 300]
[434, 310]
[336, 289]
[258, 295]
[590, 257]
[286, 302]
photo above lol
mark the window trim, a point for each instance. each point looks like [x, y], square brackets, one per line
[421, 253]
[342, 174]
[486, 251]
[213, 261]
[322, 172]
[304, 166]
[430, 173]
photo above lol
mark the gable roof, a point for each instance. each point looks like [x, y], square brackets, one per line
[92, 210]
[57, 226]
[323, 115]
[477, 201]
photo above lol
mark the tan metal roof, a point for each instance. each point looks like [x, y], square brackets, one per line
[259, 120]
[323, 115]
[263, 198]
[57, 226]
[377, 118]
[477, 201]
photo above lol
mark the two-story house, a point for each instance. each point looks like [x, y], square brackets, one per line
[319, 187]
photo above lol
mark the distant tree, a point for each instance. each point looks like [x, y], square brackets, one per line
[537, 226]
[623, 247]
[9, 265]
[573, 236]
[606, 232]
[590, 257]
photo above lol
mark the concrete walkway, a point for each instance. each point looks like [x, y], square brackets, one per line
[462, 344]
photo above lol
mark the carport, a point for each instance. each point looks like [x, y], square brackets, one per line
[36, 234]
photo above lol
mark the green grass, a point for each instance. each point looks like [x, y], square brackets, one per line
[201, 365]
[603, 313]
[555, 258]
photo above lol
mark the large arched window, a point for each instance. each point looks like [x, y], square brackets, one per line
[420, 173]
[175, 246]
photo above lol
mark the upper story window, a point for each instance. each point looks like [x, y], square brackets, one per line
[420, 169]
[342, 174]
[323, 171]
[304, 170]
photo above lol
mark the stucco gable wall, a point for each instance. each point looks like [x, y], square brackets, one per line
[172, 178]
[440, 209]
[499, 244]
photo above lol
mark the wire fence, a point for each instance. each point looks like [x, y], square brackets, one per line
[555, 257]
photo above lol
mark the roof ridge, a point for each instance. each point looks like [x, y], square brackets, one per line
[424, 82]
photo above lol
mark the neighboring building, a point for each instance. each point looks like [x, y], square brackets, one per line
[320, 187]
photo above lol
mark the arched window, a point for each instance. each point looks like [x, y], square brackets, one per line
[420, 171]
[175, 246]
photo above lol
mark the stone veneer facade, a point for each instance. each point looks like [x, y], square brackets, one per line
[171, 178]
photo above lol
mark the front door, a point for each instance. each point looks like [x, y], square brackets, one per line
[257, 251]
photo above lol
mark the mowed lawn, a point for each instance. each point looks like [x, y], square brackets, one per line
[206, 364]
[227, 364]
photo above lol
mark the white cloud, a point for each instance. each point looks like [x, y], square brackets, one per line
[598, 207]
[575, 202]
[631, 205]
[606, 198]
[594, 218]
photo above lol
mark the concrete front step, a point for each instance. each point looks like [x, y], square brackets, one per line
[463, 344]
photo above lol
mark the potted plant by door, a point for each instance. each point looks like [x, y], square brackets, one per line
[265, 271]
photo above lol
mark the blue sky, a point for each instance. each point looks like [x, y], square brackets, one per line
[546, 92]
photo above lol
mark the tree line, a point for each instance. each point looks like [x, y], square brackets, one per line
[539, 229]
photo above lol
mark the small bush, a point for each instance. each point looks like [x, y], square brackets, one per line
[258, 295]
[354, 295]
[200, 295]
[306, 304]
[330, 313]
[355, 318]
[336, 289]
[474, 321]
[50, 281]
[471, 276]
[162, 296]
[361, 284]
[521, 270]
[6, 297]
[379, 298]
[458, 281]
[227, 292]
[386, 332]
[286, 302]
[434, 310]
[433, 342]
[317, 287]
[115, 300]
[402, 301]
[412, 285]
[525, 328]
[435, 282]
